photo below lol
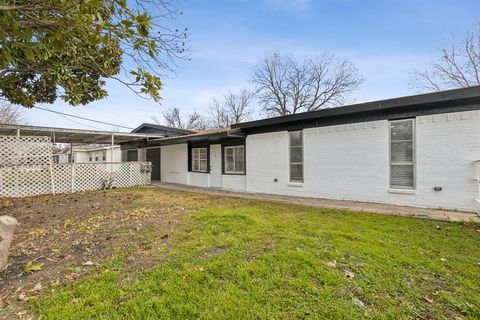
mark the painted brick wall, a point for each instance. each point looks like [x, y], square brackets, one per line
[233, 182]
[174, 160]
[351, 162]
[142, 154]
[199, 179]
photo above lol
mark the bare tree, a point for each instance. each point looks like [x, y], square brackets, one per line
[232, 108]
[287, 86]
[10, 114]
[174, 118]
[457, 66]
[218, 117]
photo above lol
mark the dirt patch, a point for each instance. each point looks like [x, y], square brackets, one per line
[67, 236]
[267, 247]
[212, 253]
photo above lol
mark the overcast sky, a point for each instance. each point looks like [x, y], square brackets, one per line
[385, 39]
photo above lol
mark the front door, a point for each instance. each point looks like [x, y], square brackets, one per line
[216, 166]
[153, 156]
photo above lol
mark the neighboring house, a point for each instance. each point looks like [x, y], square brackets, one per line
[61, 154]
[87, 154]
[96, 153]
[162, 130]
[135, 152]
[418, 150]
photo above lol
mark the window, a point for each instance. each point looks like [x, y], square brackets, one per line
[90, 158]
[56, 159]
[402, 154]
[235, 160]
[132, 155]
[199, 160]
[104, 156]
[296, 156]
[96, 158]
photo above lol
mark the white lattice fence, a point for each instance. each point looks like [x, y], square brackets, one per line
[26, 169]
[25, 180]
[30, 180]
[25, 150]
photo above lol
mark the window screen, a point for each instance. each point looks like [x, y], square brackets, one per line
[296, 156]
[402, 154]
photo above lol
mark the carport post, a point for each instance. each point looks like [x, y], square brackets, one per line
[111, 150]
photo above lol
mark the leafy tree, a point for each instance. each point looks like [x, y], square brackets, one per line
[287, 86]
[68, 48]
[457, 66]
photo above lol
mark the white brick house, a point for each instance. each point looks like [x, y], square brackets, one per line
[417, 151]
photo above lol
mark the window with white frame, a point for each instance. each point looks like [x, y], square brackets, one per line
[199, 160]
[402, 154]
[296, 156]
[235, 159]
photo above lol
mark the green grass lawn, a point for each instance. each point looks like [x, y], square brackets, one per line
[244, 259]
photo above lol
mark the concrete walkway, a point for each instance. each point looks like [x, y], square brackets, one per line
[433, 214]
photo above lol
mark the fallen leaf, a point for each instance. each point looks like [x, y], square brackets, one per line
[22, 297]
[427, 298]
[332, 264]
[88, 263]
[358, 303]
[31, 267]
[349, 274]
[38, 287]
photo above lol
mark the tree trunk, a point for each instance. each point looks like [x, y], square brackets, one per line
[7, 227]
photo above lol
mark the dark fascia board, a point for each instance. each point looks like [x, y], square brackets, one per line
[212, 138]
[161, 127]
[208, 137]
[430, 103]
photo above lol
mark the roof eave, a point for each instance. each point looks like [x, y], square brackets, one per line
[456, 96]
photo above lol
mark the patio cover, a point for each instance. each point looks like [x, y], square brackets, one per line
[64, 135]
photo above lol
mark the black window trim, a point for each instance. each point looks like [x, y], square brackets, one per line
[194, 146]
[234, 144]
[131, 152]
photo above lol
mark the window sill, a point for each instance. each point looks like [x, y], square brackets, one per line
[402, 191]
[295, 184]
